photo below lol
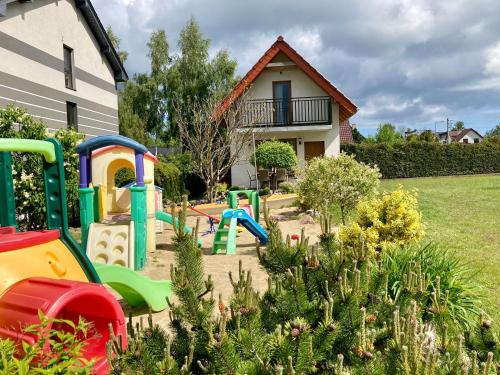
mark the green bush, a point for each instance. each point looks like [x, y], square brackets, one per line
[275, 154]
[329, 182]
[235, 187]
[264, 191]
[287, 187]
[15, 122]
[168, 177]
[124, 176]
[422, 159]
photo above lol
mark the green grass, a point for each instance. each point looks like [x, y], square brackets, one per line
[463, 214]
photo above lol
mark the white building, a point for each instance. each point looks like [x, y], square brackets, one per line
[57, 62]
[468, 135]
[304, 108]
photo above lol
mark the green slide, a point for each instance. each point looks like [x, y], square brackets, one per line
[134, 288]
[166, 217]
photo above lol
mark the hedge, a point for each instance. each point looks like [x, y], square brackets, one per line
[422, 159]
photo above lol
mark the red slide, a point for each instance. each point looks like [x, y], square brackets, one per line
[63, 299]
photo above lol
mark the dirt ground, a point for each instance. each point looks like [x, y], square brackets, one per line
[220, 265]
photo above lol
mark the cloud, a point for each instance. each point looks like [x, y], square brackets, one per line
[409, 62]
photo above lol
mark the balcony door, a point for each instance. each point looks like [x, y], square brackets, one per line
[282, 95]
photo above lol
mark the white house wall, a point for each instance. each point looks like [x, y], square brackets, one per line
[32, 36]
[301, 86]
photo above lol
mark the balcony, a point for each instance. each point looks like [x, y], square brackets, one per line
[303, 111]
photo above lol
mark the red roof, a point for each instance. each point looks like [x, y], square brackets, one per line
[346, 107]
[346, 132]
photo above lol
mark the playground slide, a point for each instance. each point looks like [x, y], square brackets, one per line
[225, 237]
[134, 288]
[248, 209]
[163, 216]
[251, 225]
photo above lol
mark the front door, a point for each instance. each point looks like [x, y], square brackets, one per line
[282, 93]
[313, 149]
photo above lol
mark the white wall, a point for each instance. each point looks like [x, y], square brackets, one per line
[46, 25]
[301, 86]
[470, 137]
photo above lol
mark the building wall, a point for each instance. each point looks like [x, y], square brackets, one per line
[301, 86]
[470, 137]
[32, 36]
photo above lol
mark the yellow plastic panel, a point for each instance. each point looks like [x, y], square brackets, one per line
[52, 259]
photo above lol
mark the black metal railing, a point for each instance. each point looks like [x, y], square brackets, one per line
[315, 110]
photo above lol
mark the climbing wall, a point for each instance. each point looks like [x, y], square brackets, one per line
[111, 244]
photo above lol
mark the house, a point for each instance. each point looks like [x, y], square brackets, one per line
[57, 62]
[468, 135]
[300, 105]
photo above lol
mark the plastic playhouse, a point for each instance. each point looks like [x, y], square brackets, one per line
[246, 215]
[46, 270]
[118, 223]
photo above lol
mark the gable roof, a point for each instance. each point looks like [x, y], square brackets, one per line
[90, 16]
[457, 135]
[346, 107]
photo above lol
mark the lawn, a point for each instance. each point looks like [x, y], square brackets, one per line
[463, 213]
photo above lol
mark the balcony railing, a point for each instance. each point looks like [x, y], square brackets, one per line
[315, 110]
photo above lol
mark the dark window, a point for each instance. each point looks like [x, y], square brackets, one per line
[68, 68]
[465, 140]
[72, 116]
[476, 140]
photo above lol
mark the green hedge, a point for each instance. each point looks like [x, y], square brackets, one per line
[168, 177]
[421, 159]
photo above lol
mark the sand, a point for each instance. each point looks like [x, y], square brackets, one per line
[220, 265]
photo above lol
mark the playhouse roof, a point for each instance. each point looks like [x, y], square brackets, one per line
[85, 148]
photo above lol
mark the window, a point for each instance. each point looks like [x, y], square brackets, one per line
[476, 140]
[465, 140]
[72, 116]
[68, 68]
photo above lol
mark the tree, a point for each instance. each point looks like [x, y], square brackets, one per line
[275, 154]
[215, 140]
[193, 79]
[341, 181]
[387, 133]
[493, 132]
[428, 136]
[357, 136]
[459, 125]
[115, 41]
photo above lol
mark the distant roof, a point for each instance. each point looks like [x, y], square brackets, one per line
[346, 132]
[457, 135]
[347, 108]
[109, 140]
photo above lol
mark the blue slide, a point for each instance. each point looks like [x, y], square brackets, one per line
[248, 223]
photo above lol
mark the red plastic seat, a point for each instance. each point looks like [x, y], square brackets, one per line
[17, 240]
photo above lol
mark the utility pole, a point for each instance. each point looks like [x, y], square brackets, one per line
[448, 131]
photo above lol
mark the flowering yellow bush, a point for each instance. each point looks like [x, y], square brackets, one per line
[390, 219]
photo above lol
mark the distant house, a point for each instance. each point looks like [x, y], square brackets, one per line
[468, 135]
[346, 133]
[301, 107]
[57, 61]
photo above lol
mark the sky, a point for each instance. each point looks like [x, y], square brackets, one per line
[413, 63]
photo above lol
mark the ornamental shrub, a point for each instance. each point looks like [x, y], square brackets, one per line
[329, 182]
[275, 154]
[383, 221]
[54, 352]
[15, 122]
[168, 177]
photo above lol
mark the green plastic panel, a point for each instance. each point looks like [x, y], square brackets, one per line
[253, 200]
[7, 199]
[56, 204]
[86, 213]
[139, 216]
[45, 148]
